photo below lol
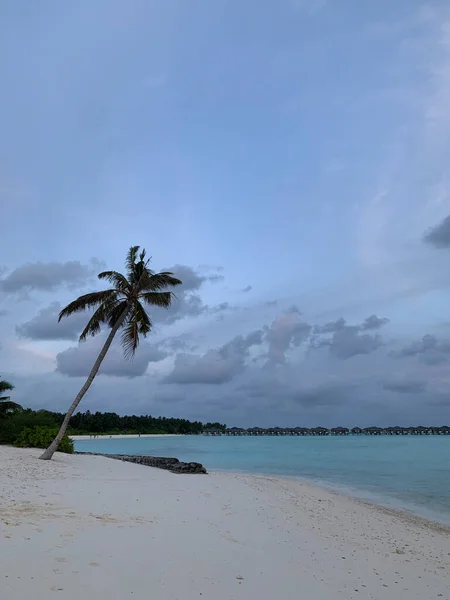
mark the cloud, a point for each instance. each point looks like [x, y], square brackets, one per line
[439, 236]
[286, 331]
[188, 302]
[247, 289]
[347, 340]
[47, 277]
[405, 387]
[217, 365]
[429, 350]
[373, 322]
[348, 343]
[323, 395]
[45, 326]
[77, 361]
[330, 327]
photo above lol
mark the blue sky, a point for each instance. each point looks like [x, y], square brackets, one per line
[299, 147]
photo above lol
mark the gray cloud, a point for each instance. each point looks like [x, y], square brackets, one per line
[247, 289]
[347, 343]
[286, 331]
[217, 365]
[439, 236]
[3, 313]
[330, 327]
[188, 302]
[429, 350]
[405, 387]
[373, 322]
[77, 361]
[348, 340]
[323, 395]
[47, 277]
[45, 326]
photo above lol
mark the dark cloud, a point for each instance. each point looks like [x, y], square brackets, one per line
[439, 236]
[217, 365]
[286, 331]
[192, 280]
[429, 350]
[47, 277]
[187, 301]
[348, 340]
[77, 361]
[323, 395]
[347, 343]
[331, 327]
[45, 326]
[373, 322]
[248, 288]
[307, 396]
[405, 387]
[176, 343]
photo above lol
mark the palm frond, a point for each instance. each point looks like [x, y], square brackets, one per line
[118, 280]
[87, 301]
[162, 299]
[144, 323]
[5, 386]
[138, 324]
[101, 315]
[154, 282]
[130, 260]
[116, 313]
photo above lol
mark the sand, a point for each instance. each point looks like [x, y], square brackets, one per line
[91, 527]
[128, 436]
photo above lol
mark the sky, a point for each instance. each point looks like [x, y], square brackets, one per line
[288, 160]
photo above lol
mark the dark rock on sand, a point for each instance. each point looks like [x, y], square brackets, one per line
[159, 462]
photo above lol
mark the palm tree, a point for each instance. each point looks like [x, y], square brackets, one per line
[7, 406]
[119, 307]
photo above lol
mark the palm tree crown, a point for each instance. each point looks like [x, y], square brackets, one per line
[125, 300]
[7, 406]
[122, 306]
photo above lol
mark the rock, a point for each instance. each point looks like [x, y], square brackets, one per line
[159, 462]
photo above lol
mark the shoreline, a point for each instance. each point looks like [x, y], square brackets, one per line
[386, 503]
[375, 501]
[105, 528]
[118, 436]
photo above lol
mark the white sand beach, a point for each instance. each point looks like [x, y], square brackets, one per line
[92, 527]
[124, 436]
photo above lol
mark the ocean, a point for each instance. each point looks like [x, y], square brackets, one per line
[407, 472]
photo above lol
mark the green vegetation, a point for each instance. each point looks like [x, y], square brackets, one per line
[87, 423]
[7, 406]
[41, 437]
[122, 306]
[27, 428]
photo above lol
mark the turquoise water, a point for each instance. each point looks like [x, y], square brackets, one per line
[409, 472]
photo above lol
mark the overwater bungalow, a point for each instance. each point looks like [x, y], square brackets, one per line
[319, 431]
[356, 431]
[322, 431]
[339, 431]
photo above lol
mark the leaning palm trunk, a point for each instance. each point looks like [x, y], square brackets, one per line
[120, 306]
[47, 455]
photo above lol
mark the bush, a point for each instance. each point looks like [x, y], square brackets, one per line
[42, 437]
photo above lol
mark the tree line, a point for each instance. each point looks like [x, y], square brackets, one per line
[98, 423]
